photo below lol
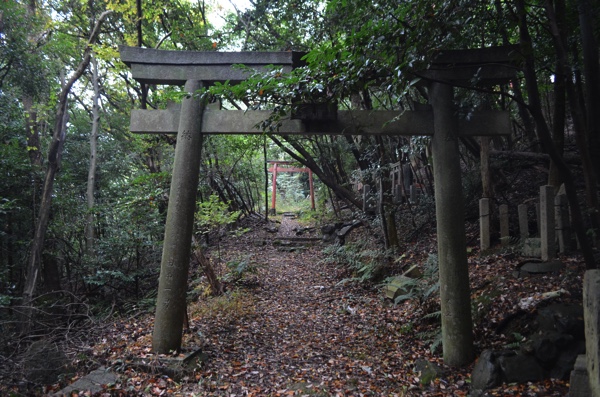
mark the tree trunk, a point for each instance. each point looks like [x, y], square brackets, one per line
[545, 137]
[90, 230]
[578, 115]
[54, 154]
[591, 70]
[215, 285]
[35, 256]
[558, 124]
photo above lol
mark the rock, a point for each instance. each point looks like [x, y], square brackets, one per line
[328, 232]
[580, 380]
[330, 229]
[541, 267]
[428, 370]
[566, 319]
[532, 247]
[486, 373]
[566, 360]
[44, 362]
[544, 350]
[520, 368]
[92, 382]
[271, 229]
[413, 272]
[398, 286]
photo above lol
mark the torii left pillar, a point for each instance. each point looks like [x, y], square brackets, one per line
[172, 285]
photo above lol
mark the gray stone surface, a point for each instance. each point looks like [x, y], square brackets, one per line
[428, 371]
[547, 232]
[504, 233]
[132, 55]
[44, 362]
[520, 368]
[532, 247]
[580, 381]
[563, 223]
[542, 267]
[484, 224]
[172, 284]
[364, 122]
[93, 382]
[176, 67]
[486, 373]
[591, 314]
[523, 221]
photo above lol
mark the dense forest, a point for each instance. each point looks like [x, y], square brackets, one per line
[83, 201]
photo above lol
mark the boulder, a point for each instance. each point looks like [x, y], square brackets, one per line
[44, 362]
[428, 371]
[486, 373]
[541, 267]
[520, 368]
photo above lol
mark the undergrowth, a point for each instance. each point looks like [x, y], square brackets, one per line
[229, 307]
[363, 264]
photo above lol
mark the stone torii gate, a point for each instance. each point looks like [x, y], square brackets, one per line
[192, 119]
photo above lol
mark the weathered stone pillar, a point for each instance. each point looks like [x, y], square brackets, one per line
[591, 318]
[547, 232]
[366, 198]
[484, 224]
[523, 222]
[414, 194]
[172, 285]
[457, 324]
[563, 223]
[504, 234]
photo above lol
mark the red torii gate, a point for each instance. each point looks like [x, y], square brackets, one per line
[275, 169]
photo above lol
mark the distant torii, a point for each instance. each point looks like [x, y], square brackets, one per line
[275, 169]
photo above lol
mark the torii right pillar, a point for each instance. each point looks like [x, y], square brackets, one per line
[457, 324]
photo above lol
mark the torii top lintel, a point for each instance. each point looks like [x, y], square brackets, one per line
[176, 67]
[480, 66]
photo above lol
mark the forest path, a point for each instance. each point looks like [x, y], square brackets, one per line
[303, 333]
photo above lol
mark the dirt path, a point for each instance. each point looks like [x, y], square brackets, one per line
[306, 335]
[294, 330]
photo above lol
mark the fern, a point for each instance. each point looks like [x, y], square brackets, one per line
[434, 315]
[363, 263]
[437, 342]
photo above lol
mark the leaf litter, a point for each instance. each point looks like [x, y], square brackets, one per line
[295, 330]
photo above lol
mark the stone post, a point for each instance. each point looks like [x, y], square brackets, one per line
[366, 198]
[523, 222]
[538, 218]
[591, 318]
[563, 223]
[172, 285]
[457, 324]
[484, 224]
[414, 194]
[504, 234]
[547, 232]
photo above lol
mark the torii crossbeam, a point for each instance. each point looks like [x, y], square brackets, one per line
[191, 120]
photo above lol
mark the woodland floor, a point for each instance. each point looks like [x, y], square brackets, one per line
[292, 329]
